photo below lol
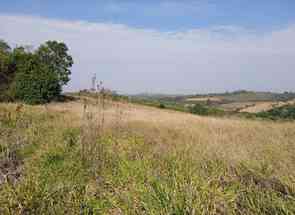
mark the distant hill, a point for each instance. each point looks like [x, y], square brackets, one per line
[235, 96]
[236, 101]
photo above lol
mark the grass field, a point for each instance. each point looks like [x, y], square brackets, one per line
[102, 157]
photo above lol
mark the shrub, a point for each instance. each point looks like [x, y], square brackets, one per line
[199, 109]
[285, 112]
[162, 106]
[203, 110]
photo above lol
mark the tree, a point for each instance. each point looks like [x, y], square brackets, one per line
[54, 54]
[6, 75]
[34, 76]
[4, 47]
[4, 58]
[34, 82]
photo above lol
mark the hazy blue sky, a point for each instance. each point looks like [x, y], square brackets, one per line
[172, 46]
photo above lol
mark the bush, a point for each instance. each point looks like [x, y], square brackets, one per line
[203, 110]
[199, 109]
[285, 112]
[162, 106]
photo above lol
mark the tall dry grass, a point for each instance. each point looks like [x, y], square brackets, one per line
[95, 156]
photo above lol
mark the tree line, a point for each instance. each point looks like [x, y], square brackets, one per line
[34, 76]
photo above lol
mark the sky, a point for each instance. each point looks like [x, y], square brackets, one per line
[161, 46]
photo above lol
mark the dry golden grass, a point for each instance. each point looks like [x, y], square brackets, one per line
[133, 159]
[257, 107]
[262, 106]
[232, 139]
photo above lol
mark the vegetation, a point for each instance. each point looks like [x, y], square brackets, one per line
[109, 94]
[246, 96]
[209, 105]
[6, 69]
[162, 106]
[62, 161]
[203, 110]
[34, 77]
[159, 103]
[284, 112]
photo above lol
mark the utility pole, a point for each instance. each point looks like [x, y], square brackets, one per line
[93, 87]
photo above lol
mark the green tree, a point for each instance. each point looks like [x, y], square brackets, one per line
[4, 55]
[55, 55]
[34, 76]
[34, 82]
[6, 74]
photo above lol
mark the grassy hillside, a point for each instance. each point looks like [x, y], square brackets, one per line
[101, 157]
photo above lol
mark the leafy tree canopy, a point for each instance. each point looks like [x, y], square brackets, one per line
[34, 76]
[4, 47]
[55, 55]
[5, 75]
[35, 83]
